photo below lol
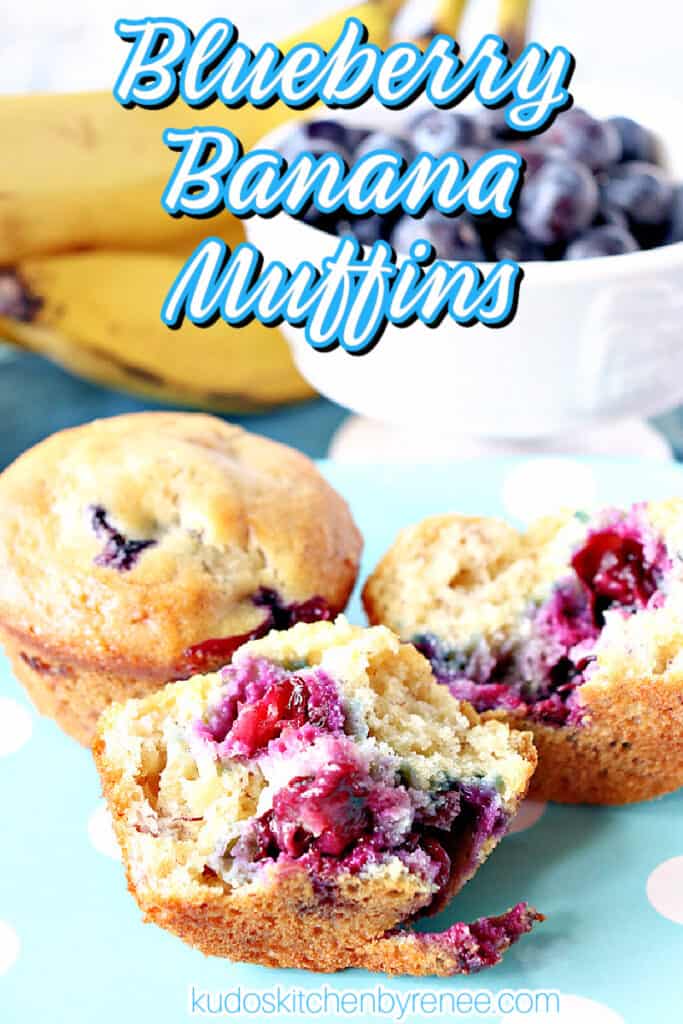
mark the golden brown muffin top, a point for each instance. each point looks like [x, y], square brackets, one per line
[125, 541]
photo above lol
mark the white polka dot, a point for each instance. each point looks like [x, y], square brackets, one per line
[9, 946]
[547, 485]
[572, 1010]
[101, 832]
[16, 726]
[529, 813]
[665, 889]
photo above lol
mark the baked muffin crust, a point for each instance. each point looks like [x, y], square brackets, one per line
[573, 630]
[126, 542]
[296, 808]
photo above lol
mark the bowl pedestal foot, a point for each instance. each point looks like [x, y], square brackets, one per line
[360, 439]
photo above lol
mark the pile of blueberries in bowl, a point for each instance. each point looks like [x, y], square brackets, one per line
[591, 187]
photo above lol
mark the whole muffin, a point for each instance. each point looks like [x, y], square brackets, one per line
[296, 808]
[145, 548]
[573, 630]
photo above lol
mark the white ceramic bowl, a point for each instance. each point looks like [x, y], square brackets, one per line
[592, 340]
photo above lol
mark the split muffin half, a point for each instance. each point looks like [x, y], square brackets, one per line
[573, 630]
[304, 805]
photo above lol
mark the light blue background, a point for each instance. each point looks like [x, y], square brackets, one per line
[86, 956]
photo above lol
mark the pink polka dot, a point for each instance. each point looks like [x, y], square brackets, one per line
[665, 889]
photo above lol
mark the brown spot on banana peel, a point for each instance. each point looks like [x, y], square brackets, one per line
[19, 304]
[81, 130]
[130, 370]
[17, 301]
[238, 400]
[226, 400]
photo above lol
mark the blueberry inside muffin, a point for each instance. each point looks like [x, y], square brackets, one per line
[119, 552]
[619, 568]
[564, 628]
[277, 615]
[323, 777]
[122, 553]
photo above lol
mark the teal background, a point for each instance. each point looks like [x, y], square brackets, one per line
[86, 956]
[37, 398]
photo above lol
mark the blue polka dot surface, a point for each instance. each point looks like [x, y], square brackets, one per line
[609, 880]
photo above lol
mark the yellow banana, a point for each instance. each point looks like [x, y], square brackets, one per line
[448, 16]
[80, 171]
[97, 314]
[513, 20]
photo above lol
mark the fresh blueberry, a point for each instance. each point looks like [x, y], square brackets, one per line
[317, 219]
[331, 131]
[466, 243]
[354, 137]
[608, 240]
[493, 128]
[306, 139]
[453, 238]
[643, 192]
[341, 135]
[442, 131]
[317, 138]
[384, 140]
[368, 230]
[593, 143]
[637, 142]
[470, 154]
[512, 244]
[558, 201]
[675, 232]
[591, 188]
[534, 154]
[609, 214]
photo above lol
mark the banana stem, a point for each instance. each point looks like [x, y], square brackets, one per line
[446, 20]
[391, 7]
[513, 20]
[448, 16]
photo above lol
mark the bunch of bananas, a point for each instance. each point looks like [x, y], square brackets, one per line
[87, 252]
